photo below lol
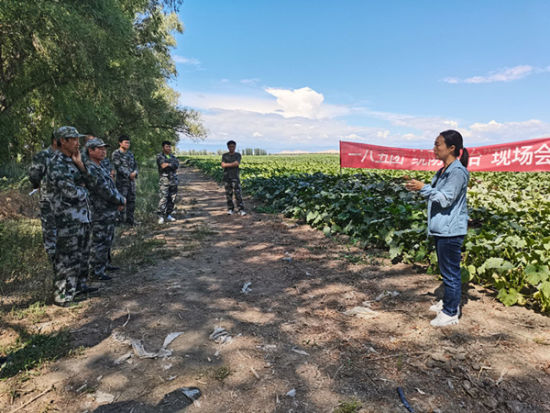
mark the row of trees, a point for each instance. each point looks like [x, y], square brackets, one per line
[246, 151]
[99, 65]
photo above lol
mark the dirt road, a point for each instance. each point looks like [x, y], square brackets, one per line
[292, 348]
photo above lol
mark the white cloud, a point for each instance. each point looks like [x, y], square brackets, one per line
[424, 123]
[503, 75]
[304, 102]
[252, 82]
[300, 119]
[278, 132]
[186, 60]
[494, 132]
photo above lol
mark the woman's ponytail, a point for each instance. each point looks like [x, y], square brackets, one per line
[464, 157]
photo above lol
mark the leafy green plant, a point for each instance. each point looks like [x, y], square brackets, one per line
[349, 406]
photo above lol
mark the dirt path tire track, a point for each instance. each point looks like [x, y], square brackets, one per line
[301, 283]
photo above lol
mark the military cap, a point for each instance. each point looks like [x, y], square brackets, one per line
[95, 143]
[66, 132]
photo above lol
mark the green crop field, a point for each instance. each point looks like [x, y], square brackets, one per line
[508, 242]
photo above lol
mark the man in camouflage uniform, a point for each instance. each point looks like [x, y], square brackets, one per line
[230, 164]
[106, 164]
[168, 166]
[38, 177]
[126, 173]
[68, 177]
[105, 200]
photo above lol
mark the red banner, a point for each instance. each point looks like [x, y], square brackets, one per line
[525, 156]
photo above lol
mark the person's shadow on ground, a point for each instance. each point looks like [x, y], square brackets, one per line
[173, 402]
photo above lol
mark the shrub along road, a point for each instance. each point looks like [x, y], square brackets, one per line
[292, 346]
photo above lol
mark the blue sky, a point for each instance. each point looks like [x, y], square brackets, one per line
[301, 75]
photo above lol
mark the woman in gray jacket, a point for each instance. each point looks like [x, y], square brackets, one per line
[447, 220]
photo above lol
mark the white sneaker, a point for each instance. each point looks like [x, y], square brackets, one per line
[442, 320]
[437, 307]
[229, 212]
[161, 220]
[242, 212]
[170, 218]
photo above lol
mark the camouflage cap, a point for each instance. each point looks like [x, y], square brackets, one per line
[66, 132]
[95, 143]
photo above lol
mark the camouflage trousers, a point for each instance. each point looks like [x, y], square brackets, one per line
[168, 192]
[233, 187]
[49, 231]
[103, 233]
[128, 190]
[71, 260]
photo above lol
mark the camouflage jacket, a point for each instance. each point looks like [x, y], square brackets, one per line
[231, 173]
[104, 196]
[124, 164]
[38, 172]
[70, 196]
[170, 171]
[106, 163]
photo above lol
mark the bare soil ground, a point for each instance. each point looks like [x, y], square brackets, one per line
[289, 332]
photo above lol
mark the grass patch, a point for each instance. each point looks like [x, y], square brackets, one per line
[349, 406]
[33, 313]
[221, 373]
[200, 232]
[353, 258]
[139, 248]
[147, 195]
[34, 350]
[24, 266]
[265, 209]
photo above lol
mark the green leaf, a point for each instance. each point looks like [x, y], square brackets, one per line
[536, 274]
[508, 298]
[465, 274]
[498, 264]
[311, 215]
[544, 288]
[395, 251]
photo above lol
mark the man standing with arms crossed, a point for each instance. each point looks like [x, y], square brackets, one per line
[168, 166]
[230, 164]
[38, 176]
[126, 173]
[105, 200]
[68, 177]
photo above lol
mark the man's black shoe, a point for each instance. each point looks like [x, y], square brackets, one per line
[84, 289]
[110, 267]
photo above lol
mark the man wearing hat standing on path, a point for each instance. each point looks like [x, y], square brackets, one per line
[68, 177]
[106, 200]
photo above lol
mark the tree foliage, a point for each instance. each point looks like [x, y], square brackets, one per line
[99, 65]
